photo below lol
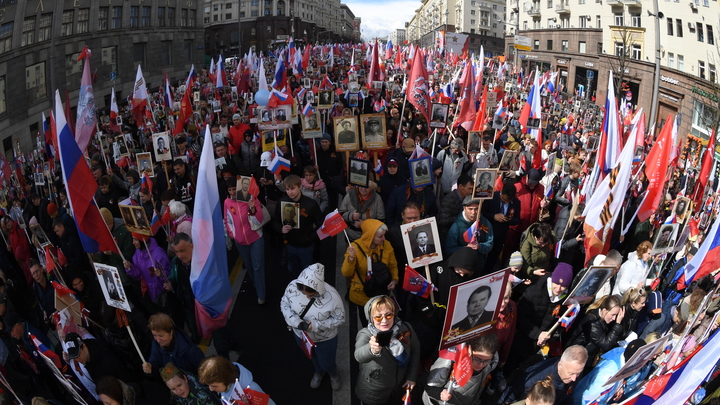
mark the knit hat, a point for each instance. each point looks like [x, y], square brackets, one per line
[107, 216]
[562, 275]
[392, 162]
[52, 209]
[654, 302]
[633, 347]
[326, 137]
[236, 117]
[140, 237]
[436, 164]
[516, 260]
[169, 371]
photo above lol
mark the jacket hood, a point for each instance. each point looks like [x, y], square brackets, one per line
[464, 258]
[314, 277]
[633, 256]
[369, 228]
[368, 305]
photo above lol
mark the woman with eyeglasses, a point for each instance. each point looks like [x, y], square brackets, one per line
[388, 352]
[441, 389]
[311, 306]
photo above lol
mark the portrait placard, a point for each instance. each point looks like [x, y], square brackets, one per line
[242, 191]
[373, 131]
[346, 134]
[438, 117]
[665, 239]
[639, 359]
[484, 183]
[325, 99]
[681, 208]
[135, 219]
[144, 162]
[161, 146]
[120, 148]
[311, 125]
[112, 287]
[275, 118]
[585, 290]
[359, 172]
[421, 173]
[510, 161]
[40, 235]
[290, 214]
[422, 242]
[474, 142]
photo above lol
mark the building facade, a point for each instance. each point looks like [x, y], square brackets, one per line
[481, 20]
[397, 36]
[232, 27]
[40, 42]
[585, 39]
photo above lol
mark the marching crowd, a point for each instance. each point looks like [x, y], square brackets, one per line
[532, 223]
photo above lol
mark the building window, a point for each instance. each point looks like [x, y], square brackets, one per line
[109, 57]
[192, 21]
[166, 53]
[701, 69]
[228, 6]
[161, 16]
[582, 47]
[139, 53]
[187, 49]
[184, 17]
[619, 49]
[636, 52]
[171, 16]
[472, 12]
[599, 48]
[635, 20]
[253, 13]
[117, 18]
[681, 62]
[72, 64]
[549, 44]
[252, 31]
[28, 35]
[83, 20]
[3, 99]
[215, 7]
[703, 117]
[228, 16]
[35, 82]
[713, 73]
[103, 18]
[598, 21]
[253, 2]
[67, 22]
[472, 22]
[472, 30]
[6, 37]
[215, 18]
[710, 37]
[550, 4]
[536, 45]
[583, 22]
[670, 26]
[525, 25]
[267, 11]
[564, 45]
[671, 60]
[134, 14]
[619, 19]
[242, 14]
[45, 27]
[678, 28]
[145, 21]
[700, 32]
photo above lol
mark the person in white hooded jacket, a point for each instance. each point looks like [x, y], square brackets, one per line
[634, 272]
[315, 308]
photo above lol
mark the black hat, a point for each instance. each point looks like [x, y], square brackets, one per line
[633, 347]
[73, 343]
[534, 176]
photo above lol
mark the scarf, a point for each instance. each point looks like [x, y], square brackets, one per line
[396, 347]
[314, 186]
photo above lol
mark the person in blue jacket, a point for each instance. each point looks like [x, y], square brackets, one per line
[171, 345]
[483, 235]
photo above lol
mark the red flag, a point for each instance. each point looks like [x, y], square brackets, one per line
[462, 369]
[418, 88]
[480, 118]
[254, 189]
[656, 171]
[186, 110]
[333, 225]
[256, 397]
[49, 263]
[537, 162]
[524, 115]
[62, 260]
[707, 165]
[376, 74]
[466, 118]
[61, 289]
[414, 283]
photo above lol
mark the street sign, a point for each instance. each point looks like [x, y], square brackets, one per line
[113, 75]
[523, 43]
[590, 75]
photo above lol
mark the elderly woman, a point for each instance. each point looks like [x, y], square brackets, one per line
[388, 352]
[370, 246]
[181, 222]
[171, 345]
[221, 375]
[185, 387]
[150, 265]
[359, 204]
[311, 306]
[314, 187]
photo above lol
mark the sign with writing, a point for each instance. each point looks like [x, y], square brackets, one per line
[523, 43]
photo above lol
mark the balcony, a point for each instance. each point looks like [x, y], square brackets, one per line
[534, 11]
[562, 8]
[632, 3]
[613, 2]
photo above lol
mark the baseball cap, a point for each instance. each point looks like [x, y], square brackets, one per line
[470, 200]
[534, 176]
[408, 145]
[73, 343]
[392, 162]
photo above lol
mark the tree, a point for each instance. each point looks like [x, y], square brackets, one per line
[622, 55]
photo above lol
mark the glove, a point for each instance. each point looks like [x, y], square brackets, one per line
[303, 326]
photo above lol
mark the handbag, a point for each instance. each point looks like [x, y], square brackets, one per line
[256, 225]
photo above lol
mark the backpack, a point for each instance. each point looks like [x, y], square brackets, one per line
[380, 277]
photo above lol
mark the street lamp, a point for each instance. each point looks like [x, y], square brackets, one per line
[656, 82]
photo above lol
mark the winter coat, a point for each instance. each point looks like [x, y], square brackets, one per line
[450, 207]
[529, 203]
[536, 312]
[595, 335]
[141, 264]
[425, 199]
[199, 394]
[310, 219]
[354, 269]
[318, 192]
[379, 376]
[534, 256]
[372, 208]
[505, 330]
[592, 385]
[455, 239]
[327, 312]
[388, 183]
[468, 394]
[524, 382]
[453, 166]
[631, 273]
[240, 229]
[182, 352]
[236, 134]
[464, 258]
[250, 156]
[21, 251]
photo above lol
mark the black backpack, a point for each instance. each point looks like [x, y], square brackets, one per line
[380, 278]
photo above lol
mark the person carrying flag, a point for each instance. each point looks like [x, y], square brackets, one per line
[472, 230]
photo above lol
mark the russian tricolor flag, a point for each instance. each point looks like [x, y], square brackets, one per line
[209, 275]
[220, 74]
[471, 233]
[707, 258]
[278, 164]
[167, 96]
[307, 110]
[93, 232]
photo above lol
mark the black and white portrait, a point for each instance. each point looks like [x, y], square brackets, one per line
[161, 146]
[421, 240]
[358, 174]
[144, 161]
[346, 137]
[585, 290]
[421, 173]
[438, 115]
[484, 183]
[290, 214]
[111, 286]
[373, 131]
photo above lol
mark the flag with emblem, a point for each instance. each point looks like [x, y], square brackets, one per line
[416, 284]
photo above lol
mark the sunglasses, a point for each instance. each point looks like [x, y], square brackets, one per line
[379, 318]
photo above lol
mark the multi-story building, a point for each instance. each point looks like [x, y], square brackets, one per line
[479, 19]
[585, 39]
[232, 27]
[397, 36]
[40, 42]
[356, 29]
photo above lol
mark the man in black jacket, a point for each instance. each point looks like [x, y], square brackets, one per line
[503, 211]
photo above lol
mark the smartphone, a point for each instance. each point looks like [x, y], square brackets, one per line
[383, 338]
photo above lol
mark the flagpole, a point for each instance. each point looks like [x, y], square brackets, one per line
[432, 293]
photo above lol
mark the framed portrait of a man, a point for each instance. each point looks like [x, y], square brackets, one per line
[665, 239]
[161, 146]
[325, 99]
[507, 162]
[438, 115]
[373, 131]
[120, 148]
[40, 235]
[111, 286]
[422, 242]
[144, 163]
[585, 290]
[311, 125]
[421, 173]
[681, 208]
[242, 191]
[290, 214]
[474, 142]
[484, 183]
[359, 172]
[346, 134]
[135, 219]
[275, 118]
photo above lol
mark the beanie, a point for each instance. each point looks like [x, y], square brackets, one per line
[516, 259]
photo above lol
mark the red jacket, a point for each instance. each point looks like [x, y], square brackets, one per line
[21, 251]
[236, 134]
[529, 203]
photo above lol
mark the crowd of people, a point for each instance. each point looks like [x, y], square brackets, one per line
[531, 224]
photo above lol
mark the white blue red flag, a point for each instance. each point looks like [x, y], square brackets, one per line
[86, 124]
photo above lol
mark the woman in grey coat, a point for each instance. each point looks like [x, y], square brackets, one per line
[386, 370]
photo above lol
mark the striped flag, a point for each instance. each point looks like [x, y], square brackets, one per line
[209, 275]
[86, 118]
[278, 164]
[470, 234]
[307, 110]
[567, 320]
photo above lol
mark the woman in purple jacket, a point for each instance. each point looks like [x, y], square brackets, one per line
[150, 265]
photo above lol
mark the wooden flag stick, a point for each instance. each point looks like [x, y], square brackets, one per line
[429, 280]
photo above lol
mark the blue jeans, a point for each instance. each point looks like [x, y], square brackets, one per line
[253, 255]
[323, 355]
[299, 258]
